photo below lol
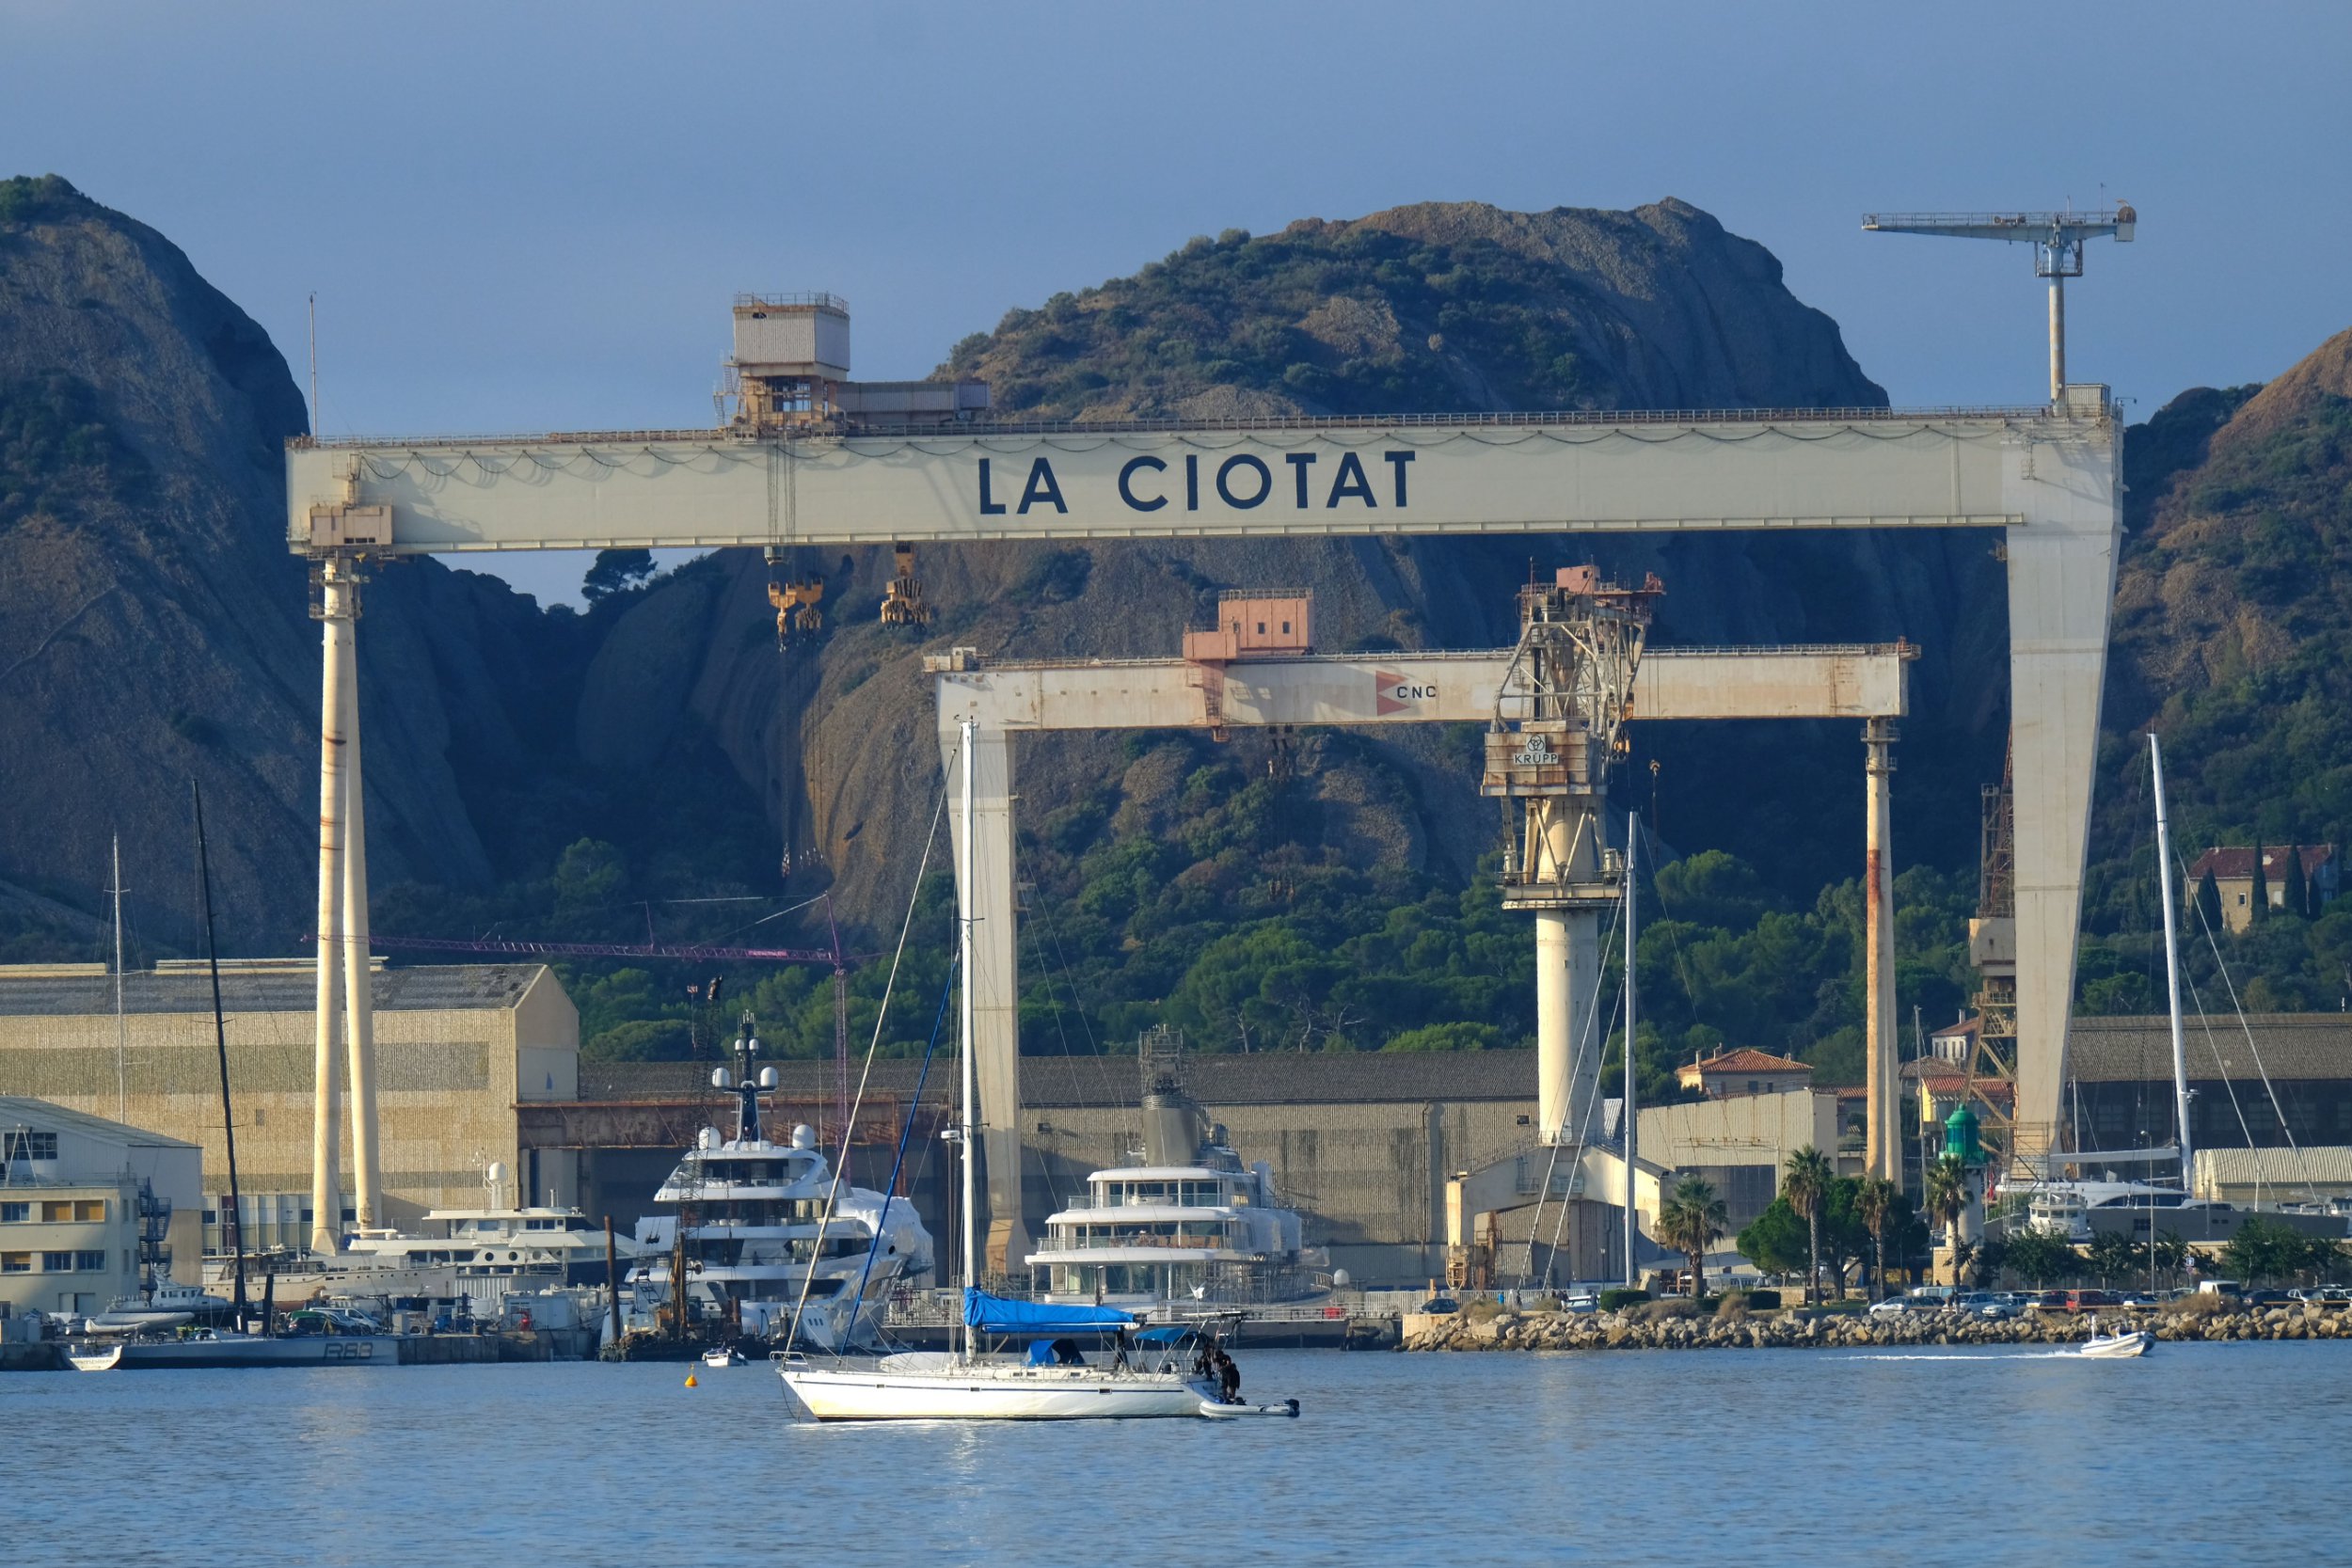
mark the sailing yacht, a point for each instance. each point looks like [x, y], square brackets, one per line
[1052, 1381]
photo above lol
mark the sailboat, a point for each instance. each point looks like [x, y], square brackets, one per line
[223, 1347]
[1052, 1381]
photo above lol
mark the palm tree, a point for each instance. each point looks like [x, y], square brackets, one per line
[1874, 1204]
[1806, 1188]
[1947, 1199]
[1690, 1221]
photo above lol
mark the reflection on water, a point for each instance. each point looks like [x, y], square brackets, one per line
[1692, 1458]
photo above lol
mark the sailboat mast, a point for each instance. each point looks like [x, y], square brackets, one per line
[122, 1032]
[2171, 969]
[966, 1130]
[1632, 1125]
[232, 1223]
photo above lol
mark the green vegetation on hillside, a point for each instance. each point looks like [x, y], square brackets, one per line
[2233, 642]
[58, 453]
[1342, 319]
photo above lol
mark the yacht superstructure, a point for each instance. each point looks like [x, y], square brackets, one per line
[479, 1256]
[1189, 1225]
[744, 1238]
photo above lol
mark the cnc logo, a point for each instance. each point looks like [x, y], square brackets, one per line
[1395, 693]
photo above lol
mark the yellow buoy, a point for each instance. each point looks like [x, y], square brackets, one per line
[690, 1380]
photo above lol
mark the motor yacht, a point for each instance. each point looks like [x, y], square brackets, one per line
[753, 1235]
[1188, 1228]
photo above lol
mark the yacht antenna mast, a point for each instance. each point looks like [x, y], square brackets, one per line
[966, 1132]
[2172, 971]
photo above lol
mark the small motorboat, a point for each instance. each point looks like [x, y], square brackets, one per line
[1216, 1412]
[724, 1356]
[93, 1359]
[2117, 1346]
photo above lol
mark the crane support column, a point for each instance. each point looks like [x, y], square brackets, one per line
[988, 901]
[1883, 1148]
[367, 1169]
[335, 609]
[2062, 579]
[2058, 337]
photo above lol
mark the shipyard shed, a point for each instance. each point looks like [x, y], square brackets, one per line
[460, 1050]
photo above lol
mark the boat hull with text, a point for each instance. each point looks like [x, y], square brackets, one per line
[237, 1350]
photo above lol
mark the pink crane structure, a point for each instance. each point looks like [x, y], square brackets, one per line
[832, 956]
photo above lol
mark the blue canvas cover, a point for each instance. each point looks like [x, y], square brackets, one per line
[996, 1315]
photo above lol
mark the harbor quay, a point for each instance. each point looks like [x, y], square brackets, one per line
[1676, 1324]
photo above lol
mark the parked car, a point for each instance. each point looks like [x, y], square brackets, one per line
[2139, 1299]
[1440, 1303]
[2268, 1298]
[1893, 1307]
[2089, 1301]
[1581, 1301]
[2050, 1301]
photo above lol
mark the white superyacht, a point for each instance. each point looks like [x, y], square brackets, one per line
[746, 1239]
[1189, 1230]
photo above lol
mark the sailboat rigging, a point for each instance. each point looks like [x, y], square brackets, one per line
[232, 1221]
[1054, 1381]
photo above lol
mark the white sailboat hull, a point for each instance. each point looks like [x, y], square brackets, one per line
[985, 1393]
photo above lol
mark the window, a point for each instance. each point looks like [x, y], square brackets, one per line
[16, 1262]
[57, 1212]
[90, 1211]
[28, 1146]
[91, 1262]
[57, 1263]
[15, 1213]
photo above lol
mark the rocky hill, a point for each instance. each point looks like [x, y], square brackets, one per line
[151, 622]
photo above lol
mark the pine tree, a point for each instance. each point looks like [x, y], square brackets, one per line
[2259, 900]
[2209, 902]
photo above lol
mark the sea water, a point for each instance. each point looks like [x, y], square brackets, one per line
[2226, 1453]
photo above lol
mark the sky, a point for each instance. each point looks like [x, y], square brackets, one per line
[534, 216]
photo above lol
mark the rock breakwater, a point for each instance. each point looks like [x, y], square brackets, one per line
[1644, 1328]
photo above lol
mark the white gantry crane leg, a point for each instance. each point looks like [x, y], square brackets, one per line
[335, 610]
[987, 900]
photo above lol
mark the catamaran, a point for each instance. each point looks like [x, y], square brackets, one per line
[1052, 1380]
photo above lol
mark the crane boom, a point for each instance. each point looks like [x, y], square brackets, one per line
[610, 950]
[2058, 241]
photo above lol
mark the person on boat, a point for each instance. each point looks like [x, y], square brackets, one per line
[1121, 1348]
[1228, 1378]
